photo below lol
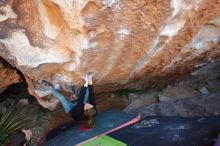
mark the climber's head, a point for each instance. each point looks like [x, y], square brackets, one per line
[90, 114]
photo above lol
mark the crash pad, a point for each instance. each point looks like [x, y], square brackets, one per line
[170, 131]
[105, 122]
[104, 141]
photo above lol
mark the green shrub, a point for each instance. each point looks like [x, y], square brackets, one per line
[13, 119]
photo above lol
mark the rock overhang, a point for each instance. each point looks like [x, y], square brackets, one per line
[126, 44]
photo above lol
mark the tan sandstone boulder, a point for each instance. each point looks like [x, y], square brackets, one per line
[126, 43]
[8, 75]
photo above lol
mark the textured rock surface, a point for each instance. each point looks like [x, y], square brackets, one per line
[125, 43]
[177, 92]
[140, 100]
[204, 105]
[8, 75]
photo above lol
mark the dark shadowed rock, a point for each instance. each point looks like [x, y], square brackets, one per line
[139, 100]
[204, 105]
[172, 93]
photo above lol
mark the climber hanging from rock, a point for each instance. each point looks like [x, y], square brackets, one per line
[84, 107]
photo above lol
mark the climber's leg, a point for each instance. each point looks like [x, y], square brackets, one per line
[84, 92]
[92, 99]
[83, 95]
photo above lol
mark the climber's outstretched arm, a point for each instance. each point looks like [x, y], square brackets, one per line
[67, 105]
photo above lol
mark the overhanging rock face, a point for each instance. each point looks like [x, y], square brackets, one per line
[8, 75]
[126, 43]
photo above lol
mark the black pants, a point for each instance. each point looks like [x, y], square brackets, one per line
[82, 94]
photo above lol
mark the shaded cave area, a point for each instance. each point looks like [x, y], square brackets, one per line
[197, 94]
